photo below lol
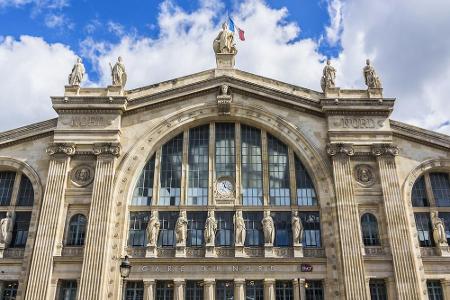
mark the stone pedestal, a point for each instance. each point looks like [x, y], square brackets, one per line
[443, 250]
[298, 250]
[151, 251]
[239, 251]
[180, 250]
[210, 251]
[268, 250]
[225, 60]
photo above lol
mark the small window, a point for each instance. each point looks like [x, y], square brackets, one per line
[143, 192]
[164, 290]
[26, 193]
[10, 290]
[377, 289]
[6, 186]
[434, 290]
[440, 185]
[283, 229]
[167, 229]
[284, 290]
[196, 227]
[423, 225]
[419, 193]
[254, 290]
[369, 228]
[20, 231]
[77, 230]
[314, 290]
[194, 290]
[134, 290]
[311, 226]
[254, 233]
[224, 290]
[68, 290]
[225, 229]
[138, 225]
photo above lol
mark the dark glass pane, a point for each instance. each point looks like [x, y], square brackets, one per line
[171, 164]
[434, 290]
[143, 192]
[196, 227]
[419, 193]
[225, 150]
[284, 290]
[167, 229]
[279, 186]
[283, 229]
[194, 290]
[254, 290]
[252, 185]
[441, 188]
[254, 233]
[377, 289]
[198, 166]
[26, 193]
[6, 186]
[20, 231]
[137, 236]
[68, 290]
[314, 290]
[224, 290]
[306, 194]
[225, 229]
[134, 290]
[10, 290]
[311, 226]
[164, 290]
[77, 230]
[424, 232]
[369, 228]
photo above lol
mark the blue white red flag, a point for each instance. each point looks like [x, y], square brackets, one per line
[233, 27]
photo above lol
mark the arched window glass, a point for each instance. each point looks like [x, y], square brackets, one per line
[311, 226]
[171, 164]
[252, 182]
[77, 230]
[6, 187]
[419, 193]
[143, 192]
[306, 195]
[225, 150]
[198, 166]
[26, 193]
[278, 172]
[369, 228]
[440, 185]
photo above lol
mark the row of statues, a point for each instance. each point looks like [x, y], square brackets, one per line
[118, 73]
[210, 230]
[6, 230]
[328, 80]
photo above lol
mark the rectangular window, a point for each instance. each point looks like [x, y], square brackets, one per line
[445, 216]
[224, 290]
[171, 169]
[68, 290]
[306, 194]
[225, 229]
[434, 290]
[6, 186]
[377, 289]
[167, 229]
[134, 290]
[143, 192]
[254, 233]
[225, 150]
[194, 290]
[10, 290]
[196, 227]
[440, 185]
[164, 290]
[284, 290]
[311, 226]
[279, 183]
[423, 225]
[137, 236]
[283, 229]
[419, 193]
[251, 173]
[20, 231]
[314, 290]
[254, 290]
[198, 165]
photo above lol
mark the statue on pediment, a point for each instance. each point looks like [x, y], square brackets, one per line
[328, 76]
[210, 228]
[297, 228]
[239, 229]
[118, 73]
[153, 229]
[224, 42]
[439, 234]
[77, 74]
[370, 76]
[6, 229]
[181, 228]
[268, 228]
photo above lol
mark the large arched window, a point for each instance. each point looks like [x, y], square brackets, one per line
[77, 230]
[17, 198]
[369, 229]
[431, 193]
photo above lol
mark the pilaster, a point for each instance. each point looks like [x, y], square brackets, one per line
[348, 220]
[178, 289]
[209, 292]
[269, 289]
[405, 266]
[302, 283]
[42, 261]
[445, 283]
[296, 287]
[94, 270]
[239, 289]
[149, 289]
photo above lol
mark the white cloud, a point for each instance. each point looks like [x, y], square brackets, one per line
[116, 28]
[38, 4]
[58, 21]
[334, 30]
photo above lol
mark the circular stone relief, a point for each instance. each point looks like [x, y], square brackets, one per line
[364, 175]
[82, 176]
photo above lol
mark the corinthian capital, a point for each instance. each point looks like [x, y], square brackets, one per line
[60, 149]
[105, 149]
[384, 149]
[346, 149]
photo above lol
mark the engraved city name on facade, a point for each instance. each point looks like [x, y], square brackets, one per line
[357, 122]
[86, 121]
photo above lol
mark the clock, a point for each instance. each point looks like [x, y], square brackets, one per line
[225, 186]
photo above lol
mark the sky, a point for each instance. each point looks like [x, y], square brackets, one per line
[289, 40]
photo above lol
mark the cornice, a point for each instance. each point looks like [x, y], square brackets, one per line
[27, 133]
[420, 135]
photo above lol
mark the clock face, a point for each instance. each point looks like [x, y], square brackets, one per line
[224, 186]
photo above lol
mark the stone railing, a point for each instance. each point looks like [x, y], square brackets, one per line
[136, 251]
[72, 251]
[13, 252]
[313, 252]
[225, 252]
[254, 251]
[166, 252]
[427, 251]
[374, 251]
[283, 252]
[195, 252]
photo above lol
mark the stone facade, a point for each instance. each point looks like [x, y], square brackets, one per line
[89, 159]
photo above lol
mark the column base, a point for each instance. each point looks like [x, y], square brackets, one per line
[239, 251]
[210, 251]
[151, 251]
[268, 250]
[443, 251]
[298, 250]
[180, 251]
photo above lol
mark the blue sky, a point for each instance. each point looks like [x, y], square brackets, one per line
[286, 40]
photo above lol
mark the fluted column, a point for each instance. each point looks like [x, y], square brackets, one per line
[302, 282]
[94, 270]
[179, 289]
[149, 289]
[296, 288]
[348, 220]
[269, 289]
[209, 293]
[405, 269]
[44, 247]
[239, 289]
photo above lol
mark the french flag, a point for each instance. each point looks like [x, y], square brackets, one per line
[232, 27]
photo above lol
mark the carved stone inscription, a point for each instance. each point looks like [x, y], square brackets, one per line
[86, 121]
[357, 123]
[226, 268]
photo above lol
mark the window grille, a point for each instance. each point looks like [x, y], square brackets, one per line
[311, 226]
[284, 290]
[6, 186]
[10, 290]
[254, 290]
[138, 226]
[198, 165]
[225, 229]
[224, 290]
[26, 192]
[143, 192]
[434, 290]
[377, 289]
[164, 290]
[20, 231]
[279, 182]
[314, 290]
[194, 290]
[167, 229]
[283, 229]
[424, 232]
[254, 233]
[225, 150]
[171, 169]
[306, 194]
[440, 185]
[68, 290]
[369, 228]
[252, 182]
[419, 193]
[77, 230]
[196, 227]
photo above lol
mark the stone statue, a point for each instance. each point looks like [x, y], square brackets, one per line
[268, 227]
[118, 73]
[239, 229]
[6, 229]
[439, 234]
[181, 228]
[328, 77]
[153, 229]
[297, 229]
[77, 74]
[370, 76]
[224, 90]
[210, 228]
[224, 42]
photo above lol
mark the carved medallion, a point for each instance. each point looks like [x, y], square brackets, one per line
[364, 175]
[82, 176]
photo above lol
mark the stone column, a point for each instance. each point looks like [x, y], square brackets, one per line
[269, 289]
[390, 286]
[149, 289]
[178, 289]
[95, 267]
[239, 289]
[348, 222]
[44, 247]
[405, 268]
[445, 283]
[296, 288]
[208, 289]
[302, 289]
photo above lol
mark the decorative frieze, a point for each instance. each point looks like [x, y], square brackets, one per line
[60, 149]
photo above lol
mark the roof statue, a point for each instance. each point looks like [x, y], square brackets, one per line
[328, 77]
[224, 42]
[118, 73]
[370, 76]
[77, 74]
